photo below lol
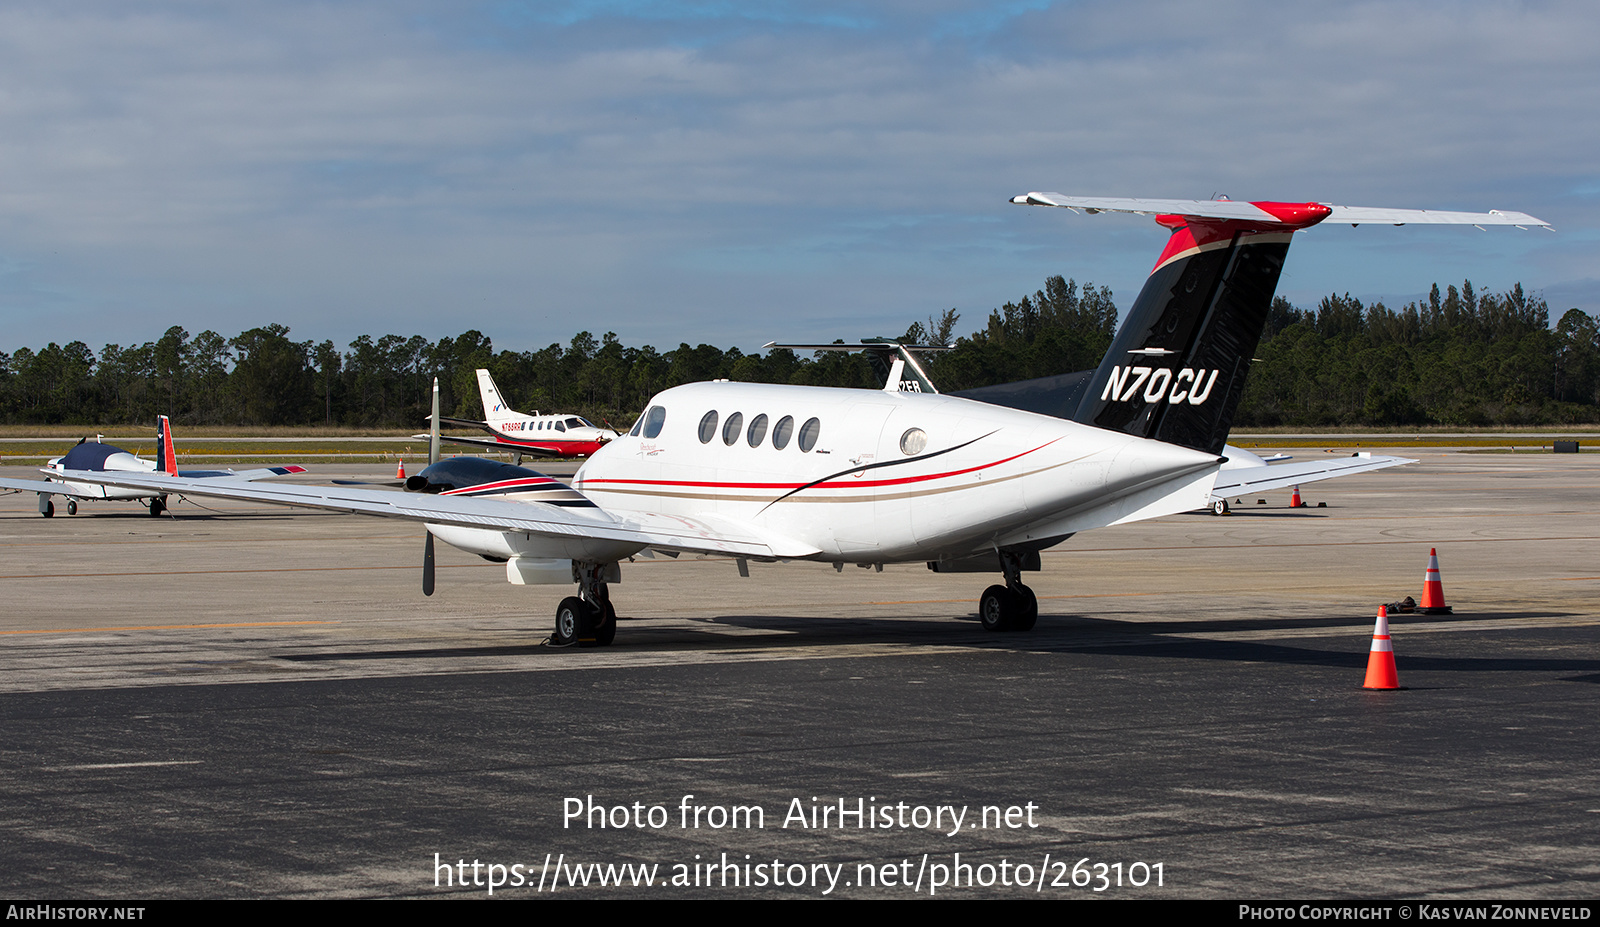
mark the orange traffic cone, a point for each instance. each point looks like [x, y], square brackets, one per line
[1433, 589]
[1380, 661]
[400, 471]
[1294, 500]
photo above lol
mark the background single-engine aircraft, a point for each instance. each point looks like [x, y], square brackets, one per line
[106, 458]
[555, 435]
[776, 472]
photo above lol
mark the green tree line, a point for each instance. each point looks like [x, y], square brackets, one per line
[1459, 358]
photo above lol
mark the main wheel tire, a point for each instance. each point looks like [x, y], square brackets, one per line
[570, 615]
[995, 609]
[72, 506]
[157, 506]
[48, 509]
[1219, 507]
[606, 630]
[1027, 610]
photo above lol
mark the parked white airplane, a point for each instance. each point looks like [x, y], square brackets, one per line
[768, 472]
[95, 456]
[556, 435]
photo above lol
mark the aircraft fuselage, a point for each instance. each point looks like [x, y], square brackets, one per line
[872, 476]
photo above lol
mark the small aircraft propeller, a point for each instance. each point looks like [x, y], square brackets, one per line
[433, 458]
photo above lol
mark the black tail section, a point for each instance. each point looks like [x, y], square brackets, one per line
[1176, 370]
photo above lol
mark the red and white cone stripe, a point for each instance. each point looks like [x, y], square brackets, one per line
[1433, 588]
[1381, 673]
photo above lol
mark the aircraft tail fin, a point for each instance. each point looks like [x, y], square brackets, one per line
[494, 406]
[1176, 369]
[166, 456]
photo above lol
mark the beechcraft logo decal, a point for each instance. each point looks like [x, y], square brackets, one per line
[1189, 385]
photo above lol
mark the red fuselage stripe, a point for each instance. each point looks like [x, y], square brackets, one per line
[830, 484]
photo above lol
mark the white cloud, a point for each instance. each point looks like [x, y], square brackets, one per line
[694, 172]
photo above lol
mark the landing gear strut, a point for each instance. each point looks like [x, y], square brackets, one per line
[587, 619]
[1012, 607]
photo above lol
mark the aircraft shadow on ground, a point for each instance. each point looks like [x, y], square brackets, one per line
[1346, 658]
[424, 653]
[1242, 512]
[1170, 639]
[1055, 634]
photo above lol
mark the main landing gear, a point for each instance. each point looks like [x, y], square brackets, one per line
[588, 618]
[1012, 607]
[158, 505]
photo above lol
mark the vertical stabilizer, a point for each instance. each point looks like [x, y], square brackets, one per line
[1176, 370]
[166, 456]
[494, 407]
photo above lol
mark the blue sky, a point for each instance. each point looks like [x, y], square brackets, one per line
[737, 173]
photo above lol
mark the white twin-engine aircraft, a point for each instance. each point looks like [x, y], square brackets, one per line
[765, 472]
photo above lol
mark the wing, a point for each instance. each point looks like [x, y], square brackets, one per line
[62, 489]
[711, 535]
[47, 486]
[259, 473]
[1230, 209]
[1280, 476]
[538, 450]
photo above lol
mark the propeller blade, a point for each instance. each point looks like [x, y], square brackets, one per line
[427, 566]
[433, 432]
